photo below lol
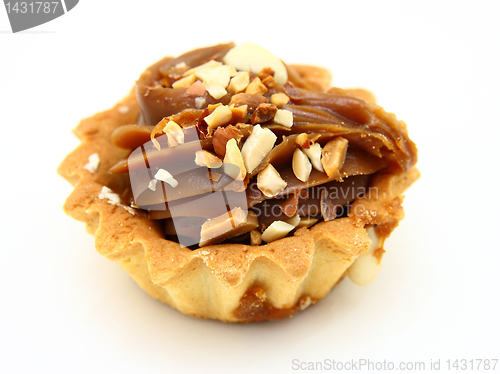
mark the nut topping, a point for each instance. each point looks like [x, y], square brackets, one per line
[239, 83]
[164, 176]
[301, 165]
[276, 230]
[233, 158]
[207, 159]
[269, 181]
[220, 116]
[222, 136]
[264, 113]
[251, 57]
[184, 82]
[314, 153]
[256, 87]
[279, 99]
[218, 75]
[257, 146]
[209, 64]
[231, 224]
[333, 156]
[216, 91]
[174, 133]
[284, 118]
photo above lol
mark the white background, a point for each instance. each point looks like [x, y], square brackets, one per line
[65, 309]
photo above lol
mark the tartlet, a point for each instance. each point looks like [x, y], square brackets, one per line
[216, 118]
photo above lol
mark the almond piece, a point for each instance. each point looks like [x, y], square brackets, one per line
[165, 176]
[284, 118]
[301, 165]
[218, 75]
[209, 64]
[231, 224]
[234, 158]
[199, 102]
[276, 230]
[221, 137]
[263, 113]
[306, 222]
[239, 82]
[366, 267]
[216, 91]
[257, 146]
[314, 153]
[279, 99]
[256, 87]
[207, 159]
[220, 116]
[269, 181]
[239, 113]
[184, 82]
[294, 221]
[333, 156]
[251, 57]
[174, 133]
[255, 237]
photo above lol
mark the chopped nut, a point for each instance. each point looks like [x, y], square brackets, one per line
[221, 137]
[277, 230]
[333, 156]
[366, 267]
[266, 72]
[231, 224]
[152, 184]
[93, 163]
[251, 57]
[184, 82]
[279, 99]
[264, 113]
[269, 82]
[216, 91]
[239, 82]
[255, 237]
[209, 64]
[218, 75]
[114, 199]
[181, 65]
[239, 113]
[234, 158]
[306, 222]
[207, 159]
[213, 176]
[199, 102]
[252, 101]
[257, 146]
[196, 89]
[256, 87]
[302, 140]
[301, 165]
[284, 118]
[220, 116]
[174, 133]
[294, 221]
[289, 206]
[269, 181]
[314, 153]
[165, 176]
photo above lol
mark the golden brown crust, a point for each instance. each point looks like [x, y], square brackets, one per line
[211, 282]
